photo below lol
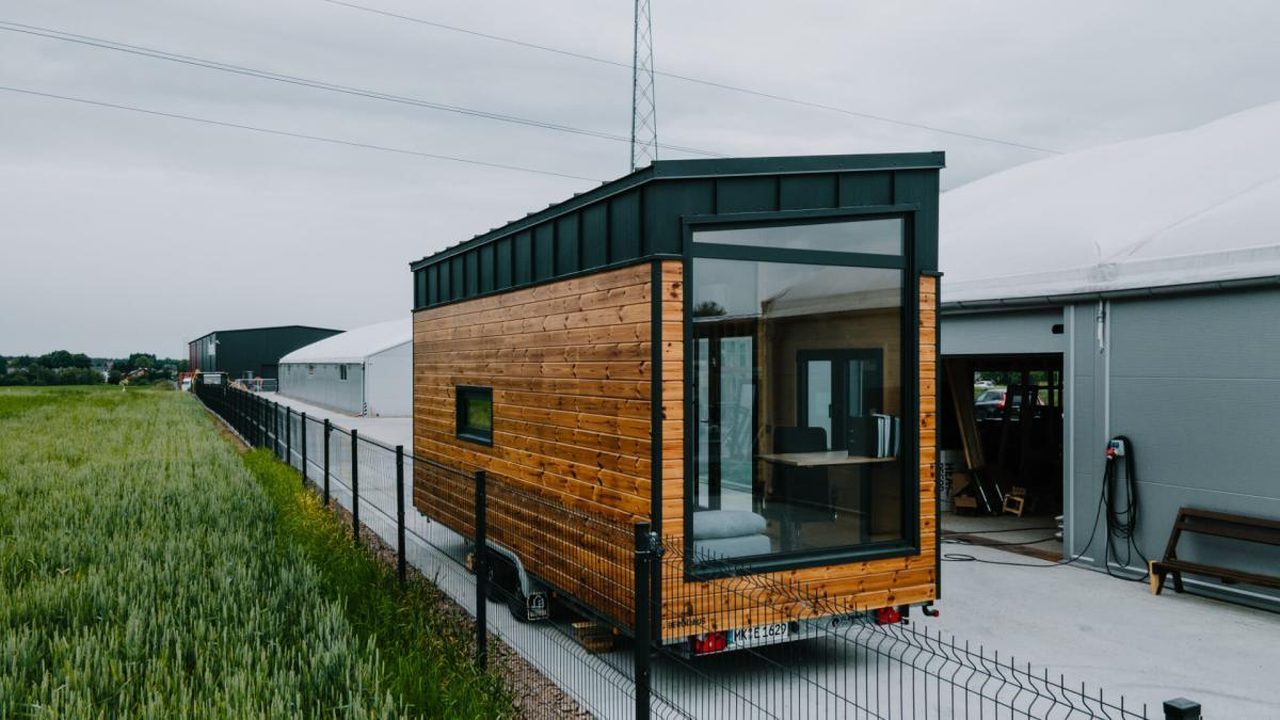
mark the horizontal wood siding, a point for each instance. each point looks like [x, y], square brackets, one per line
[570, 366]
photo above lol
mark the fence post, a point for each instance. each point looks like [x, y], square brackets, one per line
[260, 415]
[327, 427]
[303, 426]
[288, 435]
[1181, 709]
[643, 625]
[275, 425]
[355, 486]
[480, 563]
[400, 569]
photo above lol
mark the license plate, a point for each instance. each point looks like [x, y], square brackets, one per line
[762, 635]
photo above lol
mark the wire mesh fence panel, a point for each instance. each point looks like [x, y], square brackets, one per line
[756, 646]
[738, 646]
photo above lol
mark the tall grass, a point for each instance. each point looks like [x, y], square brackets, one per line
[147, 570]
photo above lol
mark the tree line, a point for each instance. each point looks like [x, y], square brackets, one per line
[62, 367]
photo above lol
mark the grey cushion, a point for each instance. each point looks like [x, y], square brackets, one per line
[722, 548]
[710, 524]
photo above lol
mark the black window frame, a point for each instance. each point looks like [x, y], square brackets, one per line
[462, 429]
[908, 264]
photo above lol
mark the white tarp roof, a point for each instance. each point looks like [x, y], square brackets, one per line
[354, 346]
[1197, 206]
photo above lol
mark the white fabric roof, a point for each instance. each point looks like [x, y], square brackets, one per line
[354, 346]
[1197, 206]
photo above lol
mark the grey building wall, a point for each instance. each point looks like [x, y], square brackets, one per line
[1194, 382]
[321, 384]
[1003, 332]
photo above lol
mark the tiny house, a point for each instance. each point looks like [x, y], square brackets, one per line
[741, 352]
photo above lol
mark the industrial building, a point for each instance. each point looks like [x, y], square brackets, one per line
[250, 352]
[366, 371]
[1139, 283]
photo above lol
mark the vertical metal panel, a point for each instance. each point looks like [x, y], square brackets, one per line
[865, 188]
[420, 288]
[445, 278]
[567, 244]
[624, 227]
[666, 203]
[544, 252]
[503, 278]
[1193, 382]
[921, 187]
[433, 284]
[471, 260]
[801, 192]
[595, 235]
[456, 284]
[487, 269]
[747, 194]
[524, 258]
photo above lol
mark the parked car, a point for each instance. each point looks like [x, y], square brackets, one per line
[990, 404]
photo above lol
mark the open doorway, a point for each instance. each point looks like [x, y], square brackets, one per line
[1001, 451]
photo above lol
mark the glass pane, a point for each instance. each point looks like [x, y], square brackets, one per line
[818, 382]
[782, 472]
[877, 237]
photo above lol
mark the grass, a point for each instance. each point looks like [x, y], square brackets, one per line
[148, 570]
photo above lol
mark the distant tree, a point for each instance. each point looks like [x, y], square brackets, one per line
[113, 376]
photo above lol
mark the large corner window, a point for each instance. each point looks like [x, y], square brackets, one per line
[475, 414]
[801, 431]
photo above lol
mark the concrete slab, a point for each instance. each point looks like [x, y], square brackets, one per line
[1114, 634]
[1069, 620]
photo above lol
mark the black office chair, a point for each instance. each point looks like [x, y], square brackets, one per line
[799, 494]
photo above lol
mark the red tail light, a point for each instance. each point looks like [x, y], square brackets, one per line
[709, 643]
[888, 616]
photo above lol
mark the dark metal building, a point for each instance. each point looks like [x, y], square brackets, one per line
[252, 352]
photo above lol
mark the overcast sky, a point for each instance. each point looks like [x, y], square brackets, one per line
[125, 232]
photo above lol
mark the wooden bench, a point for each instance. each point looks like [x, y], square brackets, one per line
[1217, 524]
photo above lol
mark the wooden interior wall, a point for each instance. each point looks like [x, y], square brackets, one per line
[690, 608]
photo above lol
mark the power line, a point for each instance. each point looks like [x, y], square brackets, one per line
[291, 134]
[697, 80]
[105, 44]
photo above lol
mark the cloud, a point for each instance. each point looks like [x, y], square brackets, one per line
[139, 233]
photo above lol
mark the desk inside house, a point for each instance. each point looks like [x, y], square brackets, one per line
[823, 458]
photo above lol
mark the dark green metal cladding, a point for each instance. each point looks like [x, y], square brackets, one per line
[640, 216]
[251, 349]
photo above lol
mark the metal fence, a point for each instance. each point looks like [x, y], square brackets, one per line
[599, 633]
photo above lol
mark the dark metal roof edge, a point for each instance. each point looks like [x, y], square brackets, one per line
[1045, 301]
[701, 168]
[268, 327]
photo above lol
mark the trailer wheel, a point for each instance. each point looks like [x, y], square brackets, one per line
[517, 603]
[502, 577]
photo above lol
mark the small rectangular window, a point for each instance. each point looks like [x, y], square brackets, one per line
[342, 372]
[475, 414]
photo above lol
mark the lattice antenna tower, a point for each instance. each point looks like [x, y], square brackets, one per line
[644, 113]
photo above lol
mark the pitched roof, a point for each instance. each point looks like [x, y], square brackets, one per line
[354, 346]
[1182, 208]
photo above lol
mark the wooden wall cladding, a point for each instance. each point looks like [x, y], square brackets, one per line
[570, 365]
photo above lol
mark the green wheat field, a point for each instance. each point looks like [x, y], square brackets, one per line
[149, 570]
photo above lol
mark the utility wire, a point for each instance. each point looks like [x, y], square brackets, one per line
[291, 134]
[697, 80]
[153, 53]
